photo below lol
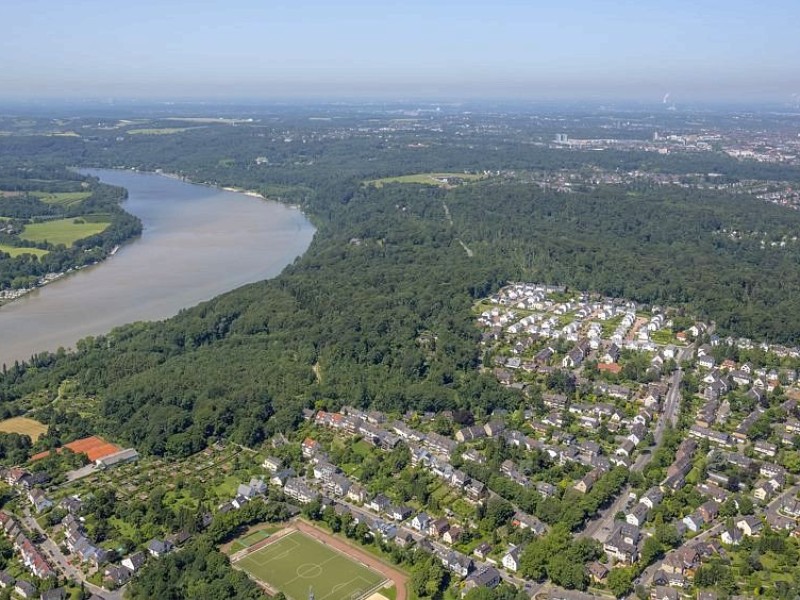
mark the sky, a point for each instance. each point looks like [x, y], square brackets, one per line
[540, 49]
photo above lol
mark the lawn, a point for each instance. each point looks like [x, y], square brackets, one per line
[249, 540]
[297, 563]
[14, 251]
[663, 336]
[62, 231]
[425, 178]
[24, 426]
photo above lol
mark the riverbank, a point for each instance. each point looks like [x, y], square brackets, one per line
[198, 241]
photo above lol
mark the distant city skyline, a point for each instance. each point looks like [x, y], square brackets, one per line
[696, 51]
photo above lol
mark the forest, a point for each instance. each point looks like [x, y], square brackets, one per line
[381, 301]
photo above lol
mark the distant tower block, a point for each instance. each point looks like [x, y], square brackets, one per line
[561, 138]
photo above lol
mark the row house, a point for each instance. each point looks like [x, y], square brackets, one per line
[439, 444]
[406, 433]
[715, 437]
[297, 489]
[33, 560]
[468, 434]
[743, 430]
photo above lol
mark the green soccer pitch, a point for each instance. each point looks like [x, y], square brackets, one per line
[297, 564]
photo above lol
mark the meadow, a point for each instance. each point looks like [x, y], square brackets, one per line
[15, 251]
[437, 179]
[24, 426]
[62, 231]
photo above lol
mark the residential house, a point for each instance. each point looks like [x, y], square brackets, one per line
[272, 464]
[356, 493]
[437, 527]
[420, 522]
[25, 589]
[652, 497]
[487, 577]
[638, 515]
[39, 500]
[597, 571]
[750, 525]
[158, 548]
[732, 536]
[379, 503]
[511, 559]
[694, 521]
[310, 447]
[452, 535]
[458, 563]
[482, 550]
[588, 481]
[134, 562]
[297, 489]
[6, 580]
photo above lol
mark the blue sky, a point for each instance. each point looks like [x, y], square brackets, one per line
[696, 50]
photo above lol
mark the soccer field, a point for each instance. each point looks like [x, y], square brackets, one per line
[297, 564]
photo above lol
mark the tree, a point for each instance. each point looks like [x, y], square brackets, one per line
[652, 550]
[620, 581]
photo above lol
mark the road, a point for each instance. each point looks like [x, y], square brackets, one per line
[57, 559]
[601, 527]
[773, 508]
[359, 511]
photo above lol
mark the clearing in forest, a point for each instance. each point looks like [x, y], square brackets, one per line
[24, 426]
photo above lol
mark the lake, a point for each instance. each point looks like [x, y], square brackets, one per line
[197, 242]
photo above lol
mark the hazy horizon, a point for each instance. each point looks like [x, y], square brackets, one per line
[732, 51]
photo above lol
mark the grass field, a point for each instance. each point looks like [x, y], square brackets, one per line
[25, 426]
[249, 540]
[14, 251]
[62, 231]
[296, 563]
[62, 198]
[425, 178]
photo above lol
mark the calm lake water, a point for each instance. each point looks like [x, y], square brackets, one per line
[197, 243]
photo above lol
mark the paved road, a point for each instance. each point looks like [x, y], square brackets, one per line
[57, 558]
[773, 508]
[600, 528]
[530, 587]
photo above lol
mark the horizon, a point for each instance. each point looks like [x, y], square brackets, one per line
[721, 52]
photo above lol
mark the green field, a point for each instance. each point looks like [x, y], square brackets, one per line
[250, 540]
[14, 251]
[296, 563]
[425, 178]
[62, 231]
[62, 198]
